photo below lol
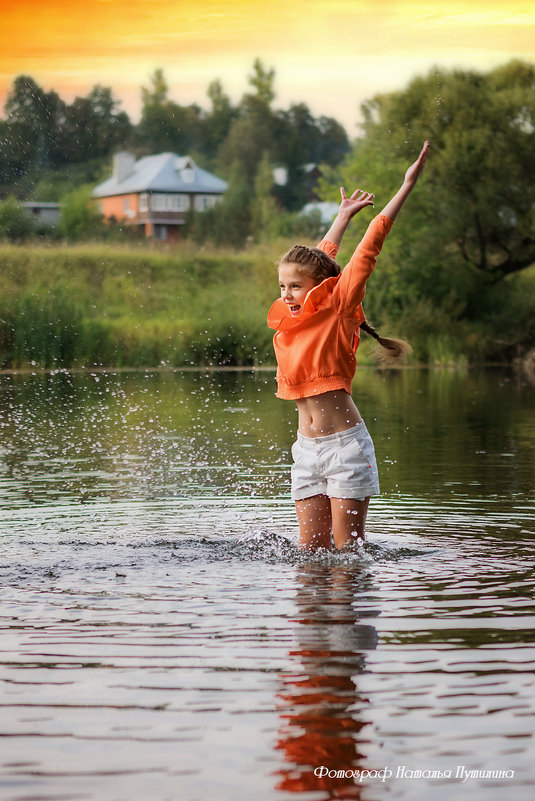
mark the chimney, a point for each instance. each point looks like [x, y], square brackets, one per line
[123, 165]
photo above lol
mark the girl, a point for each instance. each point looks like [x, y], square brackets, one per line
[317, 320]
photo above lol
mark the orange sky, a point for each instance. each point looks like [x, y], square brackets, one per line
[331, 54]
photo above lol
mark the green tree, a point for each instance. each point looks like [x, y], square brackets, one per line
[255, 129]
[36, 118]
[217, 122]
[229, 221]
[471, 222]
[263, 207]
[165, 125]
[80, 218]
[94, 126]
[482, 130]
[262, 80]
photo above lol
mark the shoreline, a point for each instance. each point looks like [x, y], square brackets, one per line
[236, 368]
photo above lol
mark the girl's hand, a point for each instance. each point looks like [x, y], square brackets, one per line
[415, 170]
[358, 200]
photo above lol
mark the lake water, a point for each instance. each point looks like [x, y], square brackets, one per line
[163, 638]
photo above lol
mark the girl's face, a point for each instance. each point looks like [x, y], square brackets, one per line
[294, 286]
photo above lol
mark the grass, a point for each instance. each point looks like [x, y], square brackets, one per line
[141, 305]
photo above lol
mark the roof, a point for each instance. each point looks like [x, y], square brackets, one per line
[38, 204]
[165, 172]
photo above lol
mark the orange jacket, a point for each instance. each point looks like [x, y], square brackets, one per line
[316, 351]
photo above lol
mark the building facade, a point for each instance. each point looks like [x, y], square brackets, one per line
[157, 192]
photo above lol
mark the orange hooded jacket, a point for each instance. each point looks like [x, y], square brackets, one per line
[316, 351]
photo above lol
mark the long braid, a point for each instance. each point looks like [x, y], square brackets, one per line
[391, 350]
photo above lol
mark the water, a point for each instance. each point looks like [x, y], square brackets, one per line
[163, 638]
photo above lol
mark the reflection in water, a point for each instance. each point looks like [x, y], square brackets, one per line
[320, 701]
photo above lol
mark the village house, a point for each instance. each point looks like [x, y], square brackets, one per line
[157, 192]
[44, 214]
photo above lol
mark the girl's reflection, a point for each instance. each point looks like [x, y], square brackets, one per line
[320, 702]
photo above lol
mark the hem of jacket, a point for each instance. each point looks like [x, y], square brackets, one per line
[310, 388]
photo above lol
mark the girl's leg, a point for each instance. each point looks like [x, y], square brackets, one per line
[348, 520]
[315, 522]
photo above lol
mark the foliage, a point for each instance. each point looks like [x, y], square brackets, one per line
[79, 217]
[165, 126]
[263, 208]
[68, 306]
[54, 184]
[229, 221]
[471, 220]
[15, 224]
[42, 132]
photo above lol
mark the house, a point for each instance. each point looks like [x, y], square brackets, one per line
[157, 192]
[311, 175]
[45, 214]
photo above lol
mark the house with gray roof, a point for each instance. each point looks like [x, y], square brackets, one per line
[157, 192]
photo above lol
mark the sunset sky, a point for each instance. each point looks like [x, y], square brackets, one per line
[331, 54]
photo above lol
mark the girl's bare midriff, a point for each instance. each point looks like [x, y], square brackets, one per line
[327, 414]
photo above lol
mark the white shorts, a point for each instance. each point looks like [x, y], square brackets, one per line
[340, 465]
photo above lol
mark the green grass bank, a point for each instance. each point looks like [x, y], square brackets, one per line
[94, 305]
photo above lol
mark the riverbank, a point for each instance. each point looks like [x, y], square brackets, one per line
[88, 306]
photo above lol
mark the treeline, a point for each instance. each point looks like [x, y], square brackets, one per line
[47, 145]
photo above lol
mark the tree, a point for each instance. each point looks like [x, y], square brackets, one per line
[94, 126]
[229, 221]
[262, 80]
[256, 127]
[263, 206]
[217, 121]
[482, 130]
[36, 118]
[471, 222]
[165, 125]
[79, 216]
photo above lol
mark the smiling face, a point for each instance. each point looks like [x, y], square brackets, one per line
[294, 286]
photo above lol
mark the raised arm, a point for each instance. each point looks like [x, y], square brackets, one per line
[349, 206]
[393, 207]
[352, 284]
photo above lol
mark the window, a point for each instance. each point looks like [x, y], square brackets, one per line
[203, 202]
[144, 202]
[126, 203]
[169, 202]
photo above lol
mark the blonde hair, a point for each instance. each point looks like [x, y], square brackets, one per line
[316, 264]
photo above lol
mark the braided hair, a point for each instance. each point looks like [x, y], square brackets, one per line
[392, 350]
[312, 262]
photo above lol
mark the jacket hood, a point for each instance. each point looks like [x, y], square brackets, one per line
[279, 317]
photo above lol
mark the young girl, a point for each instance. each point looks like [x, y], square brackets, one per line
[317, 320]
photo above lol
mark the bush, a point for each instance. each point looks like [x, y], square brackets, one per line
[79, 218]
[15, 224]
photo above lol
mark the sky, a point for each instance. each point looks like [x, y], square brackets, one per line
[330, 54]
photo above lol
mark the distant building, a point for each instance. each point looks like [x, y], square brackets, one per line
[327, 210]
[43, 213]
[312, 174]
[157, 192]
